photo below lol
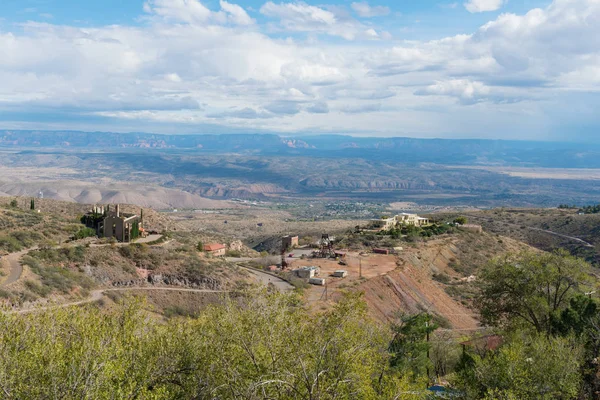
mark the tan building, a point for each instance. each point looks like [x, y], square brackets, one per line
[215, 249]
[122, 227]
[289, 242]
[385, 224]
[411, 219]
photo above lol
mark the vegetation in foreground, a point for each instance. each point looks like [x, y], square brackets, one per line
[251, 348]
[267, 346]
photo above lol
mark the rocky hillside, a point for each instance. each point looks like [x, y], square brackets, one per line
[546, 229]
[437, 276]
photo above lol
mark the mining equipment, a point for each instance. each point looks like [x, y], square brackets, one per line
[326, 243]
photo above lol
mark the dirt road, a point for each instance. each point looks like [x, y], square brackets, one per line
[97, 295]
[576, 239]
[264, 278]
[16, 269]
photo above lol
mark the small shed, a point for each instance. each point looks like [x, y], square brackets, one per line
[381, 251]
[307, 272]
[317, 281]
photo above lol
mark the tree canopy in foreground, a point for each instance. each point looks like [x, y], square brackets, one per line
[259, 347]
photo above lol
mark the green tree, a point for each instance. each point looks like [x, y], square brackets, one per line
[135, 230]
[410, 345]
[13, 203]
[32, 205]
[530, 288]
[264, 346]
[84, 233]
[461, 220]
[200, 247]
[536, 367]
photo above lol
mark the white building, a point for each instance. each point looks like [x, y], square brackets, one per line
[403, 219]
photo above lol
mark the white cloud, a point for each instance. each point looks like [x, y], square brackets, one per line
[187, 65]
[465, 90]
[477, 6]
[364, 10]
[178, 10]
[236, 13]
[194, 12]
[173, 78]
[298, 15]
[303, 17]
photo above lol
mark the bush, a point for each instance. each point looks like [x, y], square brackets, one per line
[55, 278]
[442, 277]
[84, 233]
[240, 349]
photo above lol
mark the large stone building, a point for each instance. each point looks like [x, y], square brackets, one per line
[123, 227]
[289, 242]
[403, 219]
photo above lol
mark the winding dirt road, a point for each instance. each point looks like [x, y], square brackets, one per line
[16, 269]
[573, 238]
[97, 295]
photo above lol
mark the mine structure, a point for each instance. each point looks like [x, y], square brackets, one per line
[326, 246]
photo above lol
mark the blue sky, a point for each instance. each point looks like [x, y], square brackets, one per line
[478, 68]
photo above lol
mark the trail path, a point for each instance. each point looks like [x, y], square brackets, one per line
[16, 268]
[98, 294]
[576, 239]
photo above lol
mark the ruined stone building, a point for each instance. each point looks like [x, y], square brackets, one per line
[123, 227]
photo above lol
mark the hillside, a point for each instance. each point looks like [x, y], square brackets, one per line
[185, 179]
[46, 267]
[545, 229]
[411, 150]
[432, 276]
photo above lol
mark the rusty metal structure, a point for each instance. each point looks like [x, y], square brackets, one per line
[326, 246]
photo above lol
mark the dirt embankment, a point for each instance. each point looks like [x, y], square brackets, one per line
[427, 270]
[411, 290]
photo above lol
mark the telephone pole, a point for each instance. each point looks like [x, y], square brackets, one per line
[359, 266]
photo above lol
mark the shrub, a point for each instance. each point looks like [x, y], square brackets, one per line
[442, 277]
[84, 233]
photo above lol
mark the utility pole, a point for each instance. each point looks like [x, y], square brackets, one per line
[359, 266]
[427, 333]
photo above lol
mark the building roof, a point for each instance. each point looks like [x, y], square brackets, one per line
[214, 247]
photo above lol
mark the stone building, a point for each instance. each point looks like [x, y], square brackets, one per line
[289, 242]
[123, 227]
[215, 249]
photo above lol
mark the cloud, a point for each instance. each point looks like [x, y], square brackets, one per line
[318, 108]
[185, 65]
[190, 11]
[237, 14]
[477, 6]
[364, 10]
[194, 12]
[361, 108]
[283, 107]
[467, 91]
[303, 17]
[244, 113]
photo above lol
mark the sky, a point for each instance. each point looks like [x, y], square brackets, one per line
[497, 69]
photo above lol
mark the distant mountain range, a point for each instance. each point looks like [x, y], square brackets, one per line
[400, 150]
